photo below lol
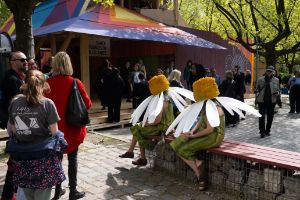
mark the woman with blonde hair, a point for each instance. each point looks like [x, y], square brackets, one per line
[174, 78]
[61, 84]
[33, 124]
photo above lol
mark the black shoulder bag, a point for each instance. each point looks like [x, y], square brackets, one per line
[77, 113]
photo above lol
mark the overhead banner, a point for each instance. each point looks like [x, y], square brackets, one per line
[99, 46]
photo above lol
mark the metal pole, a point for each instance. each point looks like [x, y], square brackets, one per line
[256, 60]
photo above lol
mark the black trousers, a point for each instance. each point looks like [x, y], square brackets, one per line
[266, 109]
[72, 169]
[114, 108]
[295, 99]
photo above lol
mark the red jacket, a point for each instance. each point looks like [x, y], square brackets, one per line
[60, 91]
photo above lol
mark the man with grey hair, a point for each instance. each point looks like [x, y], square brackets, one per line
[267, 88]
[12, 82]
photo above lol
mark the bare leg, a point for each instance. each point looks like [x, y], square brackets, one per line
[192, 164]
[143, 155]
[132, 145]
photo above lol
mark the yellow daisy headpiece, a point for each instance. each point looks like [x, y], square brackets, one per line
[158, 84]
[205, 88]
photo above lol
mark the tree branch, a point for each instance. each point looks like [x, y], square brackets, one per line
[295, 48]
[264, 17]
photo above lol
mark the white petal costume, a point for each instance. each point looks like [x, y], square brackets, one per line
[153, 105]
[189, 116]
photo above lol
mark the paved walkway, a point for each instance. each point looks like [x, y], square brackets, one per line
[103, 175]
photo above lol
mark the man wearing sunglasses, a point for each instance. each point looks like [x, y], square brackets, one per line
[12, 82]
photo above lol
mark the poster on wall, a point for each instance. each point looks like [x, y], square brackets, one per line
[99, 46]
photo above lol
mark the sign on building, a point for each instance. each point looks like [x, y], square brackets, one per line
[99, 46]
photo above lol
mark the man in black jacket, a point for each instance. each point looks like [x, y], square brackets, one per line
[12, 82]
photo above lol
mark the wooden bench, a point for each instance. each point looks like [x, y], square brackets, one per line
[251, 152]
[259, 154]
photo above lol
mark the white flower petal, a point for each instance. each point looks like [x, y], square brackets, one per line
[242, 106]
[159, 105]
[177, 103]
[178, 97]
[212, 113]
[184, 92]
[226, 105]
[140, 110]
[180, 126]
[152, 111]
[192, 116]
[178, 119]
[150, 106]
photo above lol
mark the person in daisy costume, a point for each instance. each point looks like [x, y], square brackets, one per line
[158, 115]
[201, 126]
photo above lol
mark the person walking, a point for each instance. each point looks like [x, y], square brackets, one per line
[13, 79]
[267, 88]
[33, 123]
[61, 83]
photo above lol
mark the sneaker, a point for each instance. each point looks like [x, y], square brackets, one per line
[291, 112]
[262, 135]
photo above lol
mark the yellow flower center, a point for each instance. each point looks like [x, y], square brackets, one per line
[205, 88]
[158, 84]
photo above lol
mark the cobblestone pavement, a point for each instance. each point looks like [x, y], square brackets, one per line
[103, 175]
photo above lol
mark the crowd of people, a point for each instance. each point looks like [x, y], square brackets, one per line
[34, 113]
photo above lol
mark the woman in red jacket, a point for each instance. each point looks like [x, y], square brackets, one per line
[61, 83]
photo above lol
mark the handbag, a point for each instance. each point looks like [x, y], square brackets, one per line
[77, 113]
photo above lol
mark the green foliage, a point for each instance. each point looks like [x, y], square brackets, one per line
[105, 2]
[262, 24]
[5, 12]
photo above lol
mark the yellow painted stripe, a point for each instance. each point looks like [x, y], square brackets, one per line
[11, 29]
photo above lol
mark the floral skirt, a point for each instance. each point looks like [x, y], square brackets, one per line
[40, 173]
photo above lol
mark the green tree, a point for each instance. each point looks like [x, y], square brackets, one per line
[270, 26]
[22, 11]
[5, 13]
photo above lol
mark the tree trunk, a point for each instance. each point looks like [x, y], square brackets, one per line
[22, 12]
[290, 68]
[271, 56]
